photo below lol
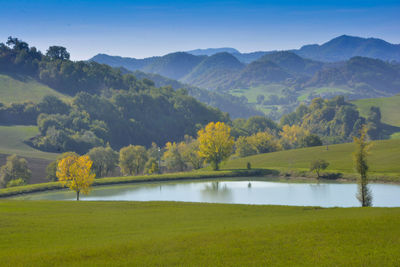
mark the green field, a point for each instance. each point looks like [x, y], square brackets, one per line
[12, 142]
[390, 108]
[384, 159]
[21, 89]
[186, 234]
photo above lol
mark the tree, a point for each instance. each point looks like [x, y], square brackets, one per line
[291, 136]
[263, 142]
[15, 168]
[51, 169]
[319, 165]
[75, 172]
[244, 148]
[151, 166]
[190, 152]
[260, 99]
[215, 143]
[105, 160]
[360, 155]
[310, 140]
[57, 52]
[173, 156]
[132, 159]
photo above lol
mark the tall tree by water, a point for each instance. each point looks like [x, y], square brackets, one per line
[360, 155]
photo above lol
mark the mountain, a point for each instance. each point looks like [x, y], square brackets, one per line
[131, 64]
[345, 47]
[260, 72]
[174, 65]
[215, 71]
[293, 63]
[369, 77]
[212, 51]
[250, 57]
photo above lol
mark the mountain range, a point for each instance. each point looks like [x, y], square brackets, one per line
[353, 66]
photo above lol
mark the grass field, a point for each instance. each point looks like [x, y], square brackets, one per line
[186, 234]
[12, 142]
[384, 159]
[21, 89]
[390, 108]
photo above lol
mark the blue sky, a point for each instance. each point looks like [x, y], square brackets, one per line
[148, 28]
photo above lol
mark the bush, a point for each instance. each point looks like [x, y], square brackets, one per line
[16, 182]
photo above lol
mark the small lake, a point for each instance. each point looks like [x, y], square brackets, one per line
[236, 191]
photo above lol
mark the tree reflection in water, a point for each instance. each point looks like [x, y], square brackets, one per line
[216, 192]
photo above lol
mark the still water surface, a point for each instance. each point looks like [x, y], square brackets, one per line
[238, 192]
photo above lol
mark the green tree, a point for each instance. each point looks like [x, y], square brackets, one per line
[215, 143]
[244, 148]
[151, 166]
[362, 147]
[319, 165]
[105, 160]
[15, 168]
[132, 159]
[173, 156]
[57, 52]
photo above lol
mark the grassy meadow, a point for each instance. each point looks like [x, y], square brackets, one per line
[20, 89]
[384, 159]
[390, 108]
[46, 233]
[12, 142]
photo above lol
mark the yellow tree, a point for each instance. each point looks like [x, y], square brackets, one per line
[75, 173]
[292, 135]
[215, 143]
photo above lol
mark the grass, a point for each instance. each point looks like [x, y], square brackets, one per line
[384, 159]
[12, 142]
[47, 233]
[18, 190]
[21, 89]
[390, 108]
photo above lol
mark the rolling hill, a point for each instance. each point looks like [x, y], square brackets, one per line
[20, 88]
[174, 66]
[384, 159]
[389, 106]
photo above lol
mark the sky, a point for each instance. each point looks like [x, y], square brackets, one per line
[151, 28]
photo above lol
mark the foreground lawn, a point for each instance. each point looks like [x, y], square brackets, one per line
[165, 233]
[384, 159]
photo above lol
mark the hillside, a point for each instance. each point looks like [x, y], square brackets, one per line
[389, 106]
[21, 88]
[367, 77]
[236, 107]
[345, 47]
[384, 159]
[215, 71]
[131, 64]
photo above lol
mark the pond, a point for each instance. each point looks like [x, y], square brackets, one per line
[237, 191]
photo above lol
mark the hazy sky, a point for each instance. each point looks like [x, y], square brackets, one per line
[147, 28]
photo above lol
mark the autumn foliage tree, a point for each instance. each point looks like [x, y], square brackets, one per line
[215, 143]
[75, 172]
[132, 159]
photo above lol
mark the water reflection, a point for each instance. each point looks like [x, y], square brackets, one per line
[216, 192]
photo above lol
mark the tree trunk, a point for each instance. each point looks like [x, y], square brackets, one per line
[77, 195]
